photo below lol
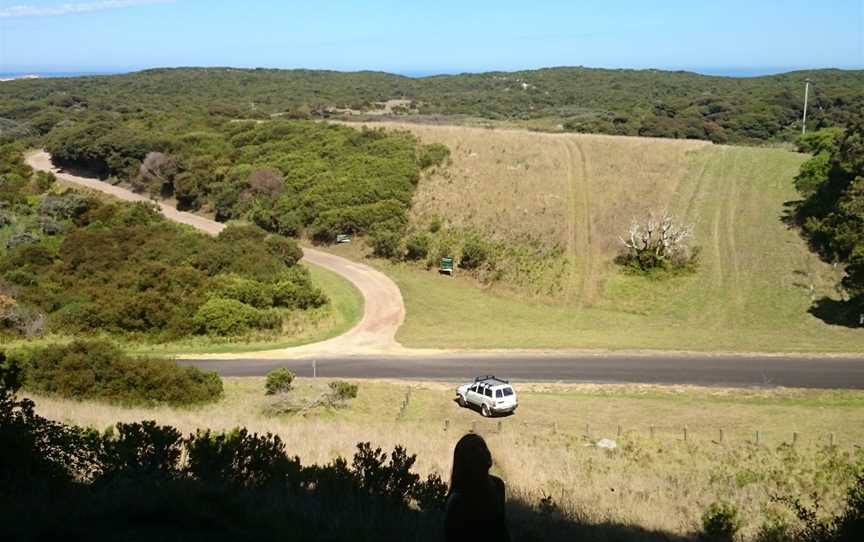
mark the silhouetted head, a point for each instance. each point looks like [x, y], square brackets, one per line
[471, 464]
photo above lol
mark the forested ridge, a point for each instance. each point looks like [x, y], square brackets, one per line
[627, 102]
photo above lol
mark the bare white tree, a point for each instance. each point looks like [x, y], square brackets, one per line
[266, 182]
[155, 171]
[663, 239]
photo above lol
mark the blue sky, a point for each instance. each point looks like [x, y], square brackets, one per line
[430, 36]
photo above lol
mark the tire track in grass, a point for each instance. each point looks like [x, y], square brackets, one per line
[572, 253]
[698, 188]
[733, 257]
[580, 189]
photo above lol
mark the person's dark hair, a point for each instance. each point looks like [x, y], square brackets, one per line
[471, 464]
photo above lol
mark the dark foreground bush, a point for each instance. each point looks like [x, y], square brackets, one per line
[142, 481]
[100, 370]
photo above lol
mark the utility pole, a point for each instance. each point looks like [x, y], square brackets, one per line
[806, 96]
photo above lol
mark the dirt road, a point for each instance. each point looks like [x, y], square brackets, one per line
[384, 310]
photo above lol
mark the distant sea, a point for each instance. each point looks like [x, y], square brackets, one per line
[726, 72]
[21, 74]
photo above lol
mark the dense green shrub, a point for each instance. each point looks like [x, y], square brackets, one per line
[279, 381]
[44, 180]
[248, 291]
[100, 370]
[433, 155]
[386, 243]
[721, 522]
[475, 252]
[417, 247]
[287, 250]
[341, 390]
[229, 317]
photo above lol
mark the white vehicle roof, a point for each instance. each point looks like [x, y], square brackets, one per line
[491, 381]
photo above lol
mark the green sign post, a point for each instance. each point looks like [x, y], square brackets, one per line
[446, 266]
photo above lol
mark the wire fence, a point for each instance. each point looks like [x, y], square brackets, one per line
[684, 434]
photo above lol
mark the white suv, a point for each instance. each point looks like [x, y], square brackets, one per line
[493, 395]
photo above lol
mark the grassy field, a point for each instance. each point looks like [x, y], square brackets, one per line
[566, 199]
[341, 314]
[659, 482]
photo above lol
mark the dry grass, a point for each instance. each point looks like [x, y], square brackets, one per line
[658, 483]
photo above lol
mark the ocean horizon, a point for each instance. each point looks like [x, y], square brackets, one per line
[722, 72]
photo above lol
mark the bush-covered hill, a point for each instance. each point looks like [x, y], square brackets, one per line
[285, 175]
[73, 264]
[627, 102]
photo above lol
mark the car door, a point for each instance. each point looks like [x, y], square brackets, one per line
[473, 396]
[479, 394]
[487, 397]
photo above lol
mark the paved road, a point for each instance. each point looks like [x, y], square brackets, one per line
[722, 371]
[383, 310]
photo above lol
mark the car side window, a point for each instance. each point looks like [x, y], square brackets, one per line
[473, 388]
[488, 392]
[498, 394]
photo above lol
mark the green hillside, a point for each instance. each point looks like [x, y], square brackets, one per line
[626, 102]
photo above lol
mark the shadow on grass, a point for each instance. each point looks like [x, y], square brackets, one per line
[837, 313]
[528, 523]
[476, 409]
[146, 510]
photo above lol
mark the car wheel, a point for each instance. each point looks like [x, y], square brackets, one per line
[462, 402]
[484, 410]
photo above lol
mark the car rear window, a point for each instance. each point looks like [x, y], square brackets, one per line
[498, 394]
[507, 392]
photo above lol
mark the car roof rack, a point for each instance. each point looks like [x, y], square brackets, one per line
[490, 377]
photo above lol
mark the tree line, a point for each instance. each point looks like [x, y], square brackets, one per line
[831, 211]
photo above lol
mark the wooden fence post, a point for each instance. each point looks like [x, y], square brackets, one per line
[685, 433]
[588, 430]
[831, 439]
[446, 425]
[722, 437]
[554, 428]
[794, 439]
[619, 430]
[758, 437]
[500, 426]
[651, 431]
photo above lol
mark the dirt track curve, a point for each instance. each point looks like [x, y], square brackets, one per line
[384, 309]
